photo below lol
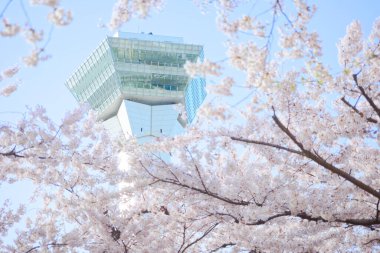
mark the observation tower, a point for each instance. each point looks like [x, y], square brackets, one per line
[135, 82]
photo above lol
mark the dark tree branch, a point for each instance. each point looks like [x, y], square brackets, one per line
[372, 120]
[47, 245]
[125, 247]
[365, 95]
[322, 162]
[267, 144]
[208, 193]
[372, 241]
[13, 152]
[171, 172]
[209, 230]
[197, 170]
[223, 246]
[183, 238]
[313, 156]
[236, 220]
[285, 15]
[304, 216]
[261, 222]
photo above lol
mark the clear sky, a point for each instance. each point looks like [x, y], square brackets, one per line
[69, 46]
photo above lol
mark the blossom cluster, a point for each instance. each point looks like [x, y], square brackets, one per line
[296, 158]
[202, 68]
[124, 10]
[9, 29]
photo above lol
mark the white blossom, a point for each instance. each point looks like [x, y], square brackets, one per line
[224, 88]
[51, 3]
[32, 59]
[10, 72]
[9, 29]
[124, 10]
[8, 90]
[60, 17]
[375, 32]
[202, 68]
[351, 44]
[32, 36]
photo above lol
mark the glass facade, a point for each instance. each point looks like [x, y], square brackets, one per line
[142, 68]
[195, 93]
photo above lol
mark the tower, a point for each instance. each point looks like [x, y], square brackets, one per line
[136, 81]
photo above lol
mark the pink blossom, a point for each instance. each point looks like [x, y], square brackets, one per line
[8, 90]
[202, 68]
[60, 17]
[9, 29]
[10, 72]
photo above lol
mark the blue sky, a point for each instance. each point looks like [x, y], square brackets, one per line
[69, 46]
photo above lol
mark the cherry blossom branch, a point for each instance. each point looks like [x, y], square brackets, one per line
[47, 245]
[209, 230]
[314, 157]
[365, 95]
[369, 119]
[183, 238]
[236, 219]
[161, 160]
[372, 241]
[304, 216]
[261, 222]
[13, 152]
[196, 189]
[5, 8]
[197, 170]
[319, 160]
[308, 217]
[223, 246]
[284, 14]
[25, 13]
[290, 150]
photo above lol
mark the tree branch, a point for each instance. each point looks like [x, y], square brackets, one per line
[5, 8]
[223, 246]
[266, 144]
[365, 95]
[13, 152]
[322, 162]
[201, 237]
[372, 120]
[197, 170]
[308, 217]
[208, 192]
[47, 245]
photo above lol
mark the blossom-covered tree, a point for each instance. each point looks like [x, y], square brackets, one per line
[294, 167]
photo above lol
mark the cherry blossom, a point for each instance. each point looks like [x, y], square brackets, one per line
[32, 59]
[51, 3]
[203, 68]
[33, 36]
[124, 10]
[10, 72]
[9, 29]
[292, 166]
[224, 88]
[8, 90]
[60, 17]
